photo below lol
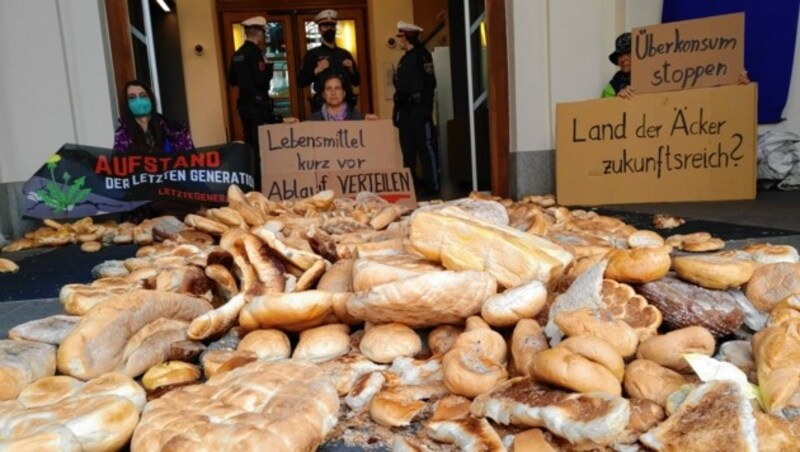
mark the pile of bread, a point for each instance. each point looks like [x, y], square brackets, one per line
[475, 324]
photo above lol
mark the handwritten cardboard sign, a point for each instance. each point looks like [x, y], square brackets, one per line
[393, 184]
[697, 145]
[328, 146]
[689, 54]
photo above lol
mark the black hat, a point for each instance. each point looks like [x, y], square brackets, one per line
[621, 45]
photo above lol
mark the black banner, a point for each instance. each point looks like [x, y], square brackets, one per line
[80, 181]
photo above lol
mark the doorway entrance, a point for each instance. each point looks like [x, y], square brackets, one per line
[292, 33]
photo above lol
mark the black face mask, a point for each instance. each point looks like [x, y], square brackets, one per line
[329, 36]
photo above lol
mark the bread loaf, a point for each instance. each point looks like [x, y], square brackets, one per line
[23, 362]
[384, 343]
[522, 302]
[323, 343]
[268, 345]
[668, 349]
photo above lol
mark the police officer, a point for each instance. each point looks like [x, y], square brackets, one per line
[327, 59]
[252, 73]
[414, 84]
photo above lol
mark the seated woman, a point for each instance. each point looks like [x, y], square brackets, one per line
[335, 107]
[142, 130]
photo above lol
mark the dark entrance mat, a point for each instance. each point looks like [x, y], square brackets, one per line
[43, 271]
[724, 231]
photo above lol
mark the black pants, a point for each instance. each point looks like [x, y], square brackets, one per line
[418, 140]
[254, 113]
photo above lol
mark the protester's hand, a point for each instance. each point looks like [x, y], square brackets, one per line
[322, 64]
[626, 93]
[348, 63]
[290, 120]
[371, 117]
[743, 78]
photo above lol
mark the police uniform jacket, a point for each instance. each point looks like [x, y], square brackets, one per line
[414, 79]
[336, 56]
[251, 73]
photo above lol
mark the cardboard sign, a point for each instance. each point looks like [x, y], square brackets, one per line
[81, 181]
[689, 54]
[328, 146]
[393, 184]
[697, 145]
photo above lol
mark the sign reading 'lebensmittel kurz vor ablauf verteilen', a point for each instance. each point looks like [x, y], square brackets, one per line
[80, 181]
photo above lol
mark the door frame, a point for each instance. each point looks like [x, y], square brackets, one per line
[497, 51]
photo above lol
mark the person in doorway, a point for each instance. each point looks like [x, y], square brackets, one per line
[142, 130]
[252, 73]
[414, 84]
[620, 84]
[327, 59]
[335, 108]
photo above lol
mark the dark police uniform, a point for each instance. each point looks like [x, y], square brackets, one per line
[252, 74]
[336, 56]
[414, 83]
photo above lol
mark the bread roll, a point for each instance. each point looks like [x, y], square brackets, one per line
[150, 345]
[451, 407]
[425, 300]
[645, 379]
[288, 311]
[268, 345]
[615, 332]
[526, 342]
[772, 254]
[217, 321]
[394, 410]
[564, 368]
[442, 338]
[668, 349]
[23, 362]
[638, 265]
[169, 373]
[364, 390]
[339, 277]
[521, 302]
[384, 343]
[480, 338]
[468, 373]
[323, 343]
[714, 271]
[776, 350]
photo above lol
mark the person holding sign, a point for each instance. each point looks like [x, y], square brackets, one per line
[142, 130]
[335, 108]
[414, 84]
[620, 84]
[327, 59]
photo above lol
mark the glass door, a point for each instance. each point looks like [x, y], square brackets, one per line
[350, 35]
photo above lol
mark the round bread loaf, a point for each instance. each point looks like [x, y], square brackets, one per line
[268, 345]
[323, 343]
[91, 246]
[638, 265]
[764, 253]
[645, 239]
[384, 343]
[668, 349]
[480, 338]
[715, 271]
[772, 283]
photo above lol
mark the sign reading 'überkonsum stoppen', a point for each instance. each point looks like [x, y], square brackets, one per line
[689, 54]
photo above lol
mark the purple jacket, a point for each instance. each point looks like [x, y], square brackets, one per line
[176, 136]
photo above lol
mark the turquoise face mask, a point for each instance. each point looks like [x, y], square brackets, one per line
[140, 106]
